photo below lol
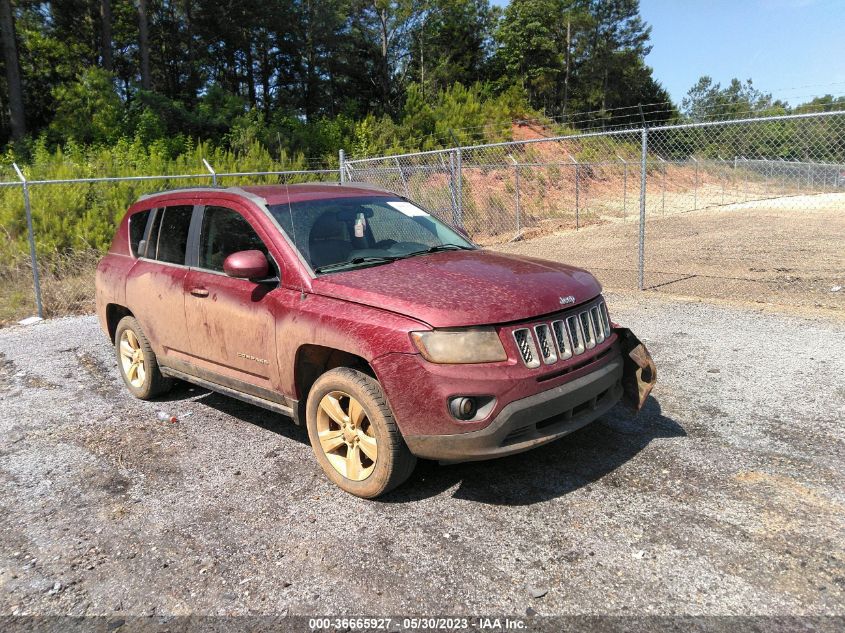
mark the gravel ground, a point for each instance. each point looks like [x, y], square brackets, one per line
[725, 496]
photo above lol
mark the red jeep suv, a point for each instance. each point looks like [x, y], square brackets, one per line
[353, 310]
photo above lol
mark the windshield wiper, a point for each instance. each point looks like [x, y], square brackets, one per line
[441, 247]
[356, 261]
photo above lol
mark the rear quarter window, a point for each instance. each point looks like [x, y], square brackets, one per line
[169, 235]
[137, 226]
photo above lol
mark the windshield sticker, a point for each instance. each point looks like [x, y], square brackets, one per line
[408, 209]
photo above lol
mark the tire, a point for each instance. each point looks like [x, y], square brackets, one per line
[146, 381]
[352, 449]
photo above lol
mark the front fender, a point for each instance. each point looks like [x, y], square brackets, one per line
[315, 320]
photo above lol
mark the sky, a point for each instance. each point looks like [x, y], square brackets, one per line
[793, 49]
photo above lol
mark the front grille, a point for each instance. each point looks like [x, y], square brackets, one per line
[527, 349]
[605, 319]
[598, 326]
[573, 328]
[546, 344]
[564, 338]
[563, 345]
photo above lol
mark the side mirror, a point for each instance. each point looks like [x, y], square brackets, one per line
[246, 265]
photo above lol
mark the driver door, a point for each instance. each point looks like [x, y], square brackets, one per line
[230, 324]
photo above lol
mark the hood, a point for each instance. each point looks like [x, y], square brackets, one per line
[464, 288]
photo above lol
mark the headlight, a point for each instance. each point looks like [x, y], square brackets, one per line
[460, 346]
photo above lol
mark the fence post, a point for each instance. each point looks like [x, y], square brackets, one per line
[624, 186]
[577, 195]
[341, 155]
[451, 182]
[516, 186]
[767, 176]
[745, 195]
[454, 190]
[210, 171]
[402, 176]
[733, 175]
[641, 260]
[36, 281]
[460, 186]
[695, 188]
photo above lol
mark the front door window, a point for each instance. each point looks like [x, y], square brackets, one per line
[224, 232]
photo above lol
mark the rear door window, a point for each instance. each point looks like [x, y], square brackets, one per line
[171, 239]
[225, 231]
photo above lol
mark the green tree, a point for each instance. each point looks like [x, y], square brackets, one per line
[385, 27]
[529, 52]
[617, 42]
[452, 44]
[88, 110]
[12, 66]
[578, 55]
[540, 42]
[827, 103]
[707, 100]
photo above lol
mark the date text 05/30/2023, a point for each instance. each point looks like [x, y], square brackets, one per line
[417, 623]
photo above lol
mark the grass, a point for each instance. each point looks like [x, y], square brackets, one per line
[67, 286]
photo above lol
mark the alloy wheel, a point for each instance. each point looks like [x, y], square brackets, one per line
[346, 435]
[132, 359]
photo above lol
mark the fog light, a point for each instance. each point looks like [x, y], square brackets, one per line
[463, 408]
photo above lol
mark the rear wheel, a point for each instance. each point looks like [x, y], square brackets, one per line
[354, 436]
[137, 362]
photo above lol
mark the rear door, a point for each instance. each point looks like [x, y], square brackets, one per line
[155, 286]
[230, 324]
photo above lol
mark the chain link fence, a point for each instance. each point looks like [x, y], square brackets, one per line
[56, 279]
[750, 209]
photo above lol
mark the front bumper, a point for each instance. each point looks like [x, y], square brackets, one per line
[640, 374]
[530, 422]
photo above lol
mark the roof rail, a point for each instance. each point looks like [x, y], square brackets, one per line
[238, 189]
[181, 190]
[323, 183]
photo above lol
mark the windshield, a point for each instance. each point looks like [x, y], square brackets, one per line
[341, 233]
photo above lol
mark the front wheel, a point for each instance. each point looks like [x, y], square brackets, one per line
[354, 436]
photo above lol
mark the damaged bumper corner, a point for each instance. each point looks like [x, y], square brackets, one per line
[639, 373]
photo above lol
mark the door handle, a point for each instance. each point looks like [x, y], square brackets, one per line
[199, 292]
